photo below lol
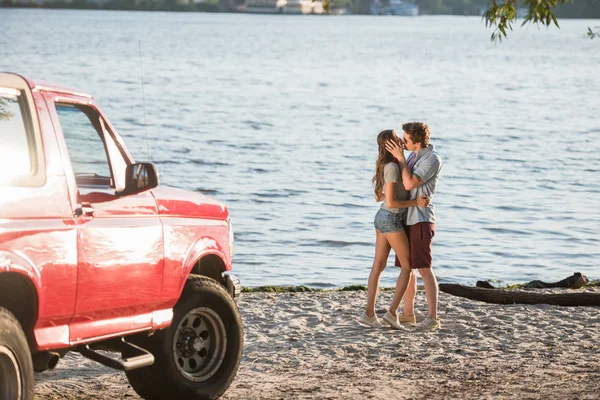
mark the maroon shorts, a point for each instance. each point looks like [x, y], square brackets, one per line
[420, 237]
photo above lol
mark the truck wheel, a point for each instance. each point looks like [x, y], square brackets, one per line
[198, 356]
[16, 368]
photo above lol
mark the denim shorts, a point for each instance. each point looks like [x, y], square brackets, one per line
[387, 221]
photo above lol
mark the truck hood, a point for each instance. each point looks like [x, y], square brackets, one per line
[183, 203]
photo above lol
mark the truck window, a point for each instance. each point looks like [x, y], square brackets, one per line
[15, 148]
[85, 145]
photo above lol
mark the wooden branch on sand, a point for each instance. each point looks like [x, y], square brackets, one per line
[575, 281]
[500, 296]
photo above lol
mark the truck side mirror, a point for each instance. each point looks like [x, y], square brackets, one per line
[139, 177]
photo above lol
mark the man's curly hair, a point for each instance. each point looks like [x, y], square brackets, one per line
[418, 132]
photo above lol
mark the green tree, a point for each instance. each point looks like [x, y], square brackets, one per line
[5, 114]
[362, 7]
[340, 4]
[431, 6]
[501, 15]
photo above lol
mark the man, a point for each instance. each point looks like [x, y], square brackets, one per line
[420, 175]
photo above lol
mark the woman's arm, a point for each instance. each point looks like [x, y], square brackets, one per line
[409, 180]
[390, 202]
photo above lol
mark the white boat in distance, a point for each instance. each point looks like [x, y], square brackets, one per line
[283, 7]
[263, 6]
[303, 7]
[394, 7]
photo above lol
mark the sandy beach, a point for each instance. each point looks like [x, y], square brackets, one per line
[309, 345]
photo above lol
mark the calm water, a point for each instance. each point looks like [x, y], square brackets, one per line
[277, 116]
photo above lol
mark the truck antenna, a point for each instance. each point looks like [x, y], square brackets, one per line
[144, 101]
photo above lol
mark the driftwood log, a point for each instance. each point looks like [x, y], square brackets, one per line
[501, 296]
[575, 281]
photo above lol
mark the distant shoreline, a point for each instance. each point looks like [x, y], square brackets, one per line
[60, 5]
[119, 5]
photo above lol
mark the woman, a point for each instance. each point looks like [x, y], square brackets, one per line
[389, 230]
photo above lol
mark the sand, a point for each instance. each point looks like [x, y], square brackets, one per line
[309, 345]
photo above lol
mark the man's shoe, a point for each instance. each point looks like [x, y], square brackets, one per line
[392, 320]
[429, 324]
[373, 321]
[407, 319]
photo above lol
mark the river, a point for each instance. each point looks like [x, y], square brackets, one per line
[276, 116]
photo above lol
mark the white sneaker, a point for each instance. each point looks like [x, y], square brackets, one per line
[373, 321]
[407, 319]
[429, 324]
[392, 320]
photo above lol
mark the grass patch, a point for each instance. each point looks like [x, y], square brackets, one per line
[356, 288]
[513, 286]
[303, 289]
[353, 288]
[279, 289]
[359, 288]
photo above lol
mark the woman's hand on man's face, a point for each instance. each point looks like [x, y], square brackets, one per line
[395, 149]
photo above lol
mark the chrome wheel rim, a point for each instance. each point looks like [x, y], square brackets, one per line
[199, 344]
[10, 376]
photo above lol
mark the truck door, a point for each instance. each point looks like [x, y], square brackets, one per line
[120, 238]
[36, 221]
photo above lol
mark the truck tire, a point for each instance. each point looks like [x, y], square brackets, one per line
[16, 367]
[198, 356]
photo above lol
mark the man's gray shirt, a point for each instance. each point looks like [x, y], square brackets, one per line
[427, 165]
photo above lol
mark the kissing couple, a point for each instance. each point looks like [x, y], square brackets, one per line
[405, 222]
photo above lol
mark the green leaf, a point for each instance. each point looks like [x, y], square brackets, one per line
[501, 16]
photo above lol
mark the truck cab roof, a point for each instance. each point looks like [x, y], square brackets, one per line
[42, 85]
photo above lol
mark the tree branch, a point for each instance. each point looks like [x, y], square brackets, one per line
[503, 14]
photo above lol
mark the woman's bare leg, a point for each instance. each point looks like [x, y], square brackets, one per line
[399, 243]
[382, 251]
[409, 296]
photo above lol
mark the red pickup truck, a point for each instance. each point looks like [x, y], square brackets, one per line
[97, 258]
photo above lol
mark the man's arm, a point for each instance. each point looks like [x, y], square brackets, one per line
[409, 180]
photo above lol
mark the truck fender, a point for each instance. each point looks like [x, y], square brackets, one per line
[203, 247]
[11, 262]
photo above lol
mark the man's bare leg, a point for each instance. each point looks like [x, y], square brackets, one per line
[431, 291]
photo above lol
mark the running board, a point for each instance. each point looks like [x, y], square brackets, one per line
[140, 358]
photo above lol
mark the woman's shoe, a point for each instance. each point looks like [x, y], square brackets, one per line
[373, 321]
[392, 320]
[407, 319]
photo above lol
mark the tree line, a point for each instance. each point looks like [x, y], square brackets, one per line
[131, 5]
[579, 9]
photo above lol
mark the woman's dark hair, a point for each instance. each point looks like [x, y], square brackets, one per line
[383, 158]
